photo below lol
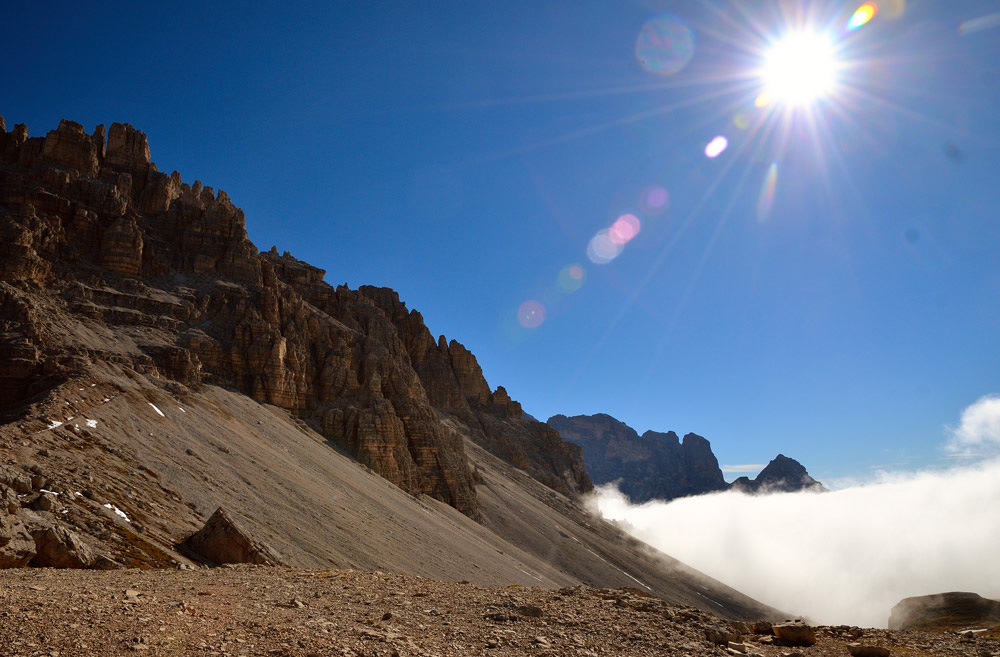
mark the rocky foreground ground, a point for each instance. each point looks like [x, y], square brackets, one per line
[254, 610]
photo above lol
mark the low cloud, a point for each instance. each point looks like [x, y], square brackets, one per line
[843, 557]
[978, 428]
[747, 467]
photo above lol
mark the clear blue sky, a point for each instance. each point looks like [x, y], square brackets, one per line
[464, 153]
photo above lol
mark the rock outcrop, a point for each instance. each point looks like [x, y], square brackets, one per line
[224, 540]
[653, 466]
[943, 611]
[105, 259]
[781, 475]
[17, 547]
[661, 466]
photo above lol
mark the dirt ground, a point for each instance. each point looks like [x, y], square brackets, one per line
[253, 610]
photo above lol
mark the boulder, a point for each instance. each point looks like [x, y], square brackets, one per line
[944, 611]
[58, 547]
[224, 540]
[16, 545]
[795, 633]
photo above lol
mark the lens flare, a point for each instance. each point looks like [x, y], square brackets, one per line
[987, 22]
[602, 249]
[715, 147]
[864, 13]
[762, 100]
[653, 200]
[892, 8]
[765, 202]
[741, 121]
[570, 278]
[531, 314]
[665, 45]
[624, 229]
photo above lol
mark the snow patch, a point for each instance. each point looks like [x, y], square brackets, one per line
[181, 409]
[55, 423]
[92, 424]
[48, 491]
[156, 409]
[117, 510]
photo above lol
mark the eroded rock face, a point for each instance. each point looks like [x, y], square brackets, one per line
[58, 547]
[653, 466]
[224, 540]
[457, 388]
[103, 258]
[17, 547]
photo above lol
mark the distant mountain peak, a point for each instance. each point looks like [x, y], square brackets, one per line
[781, 475]
[652, 466]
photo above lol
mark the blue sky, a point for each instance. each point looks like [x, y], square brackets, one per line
[464, 153]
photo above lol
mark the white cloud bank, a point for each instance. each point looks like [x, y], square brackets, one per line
[844, 557]
[979, 427]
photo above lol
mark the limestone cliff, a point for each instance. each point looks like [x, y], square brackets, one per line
[105, 259]
[653, 466]
[660, 466]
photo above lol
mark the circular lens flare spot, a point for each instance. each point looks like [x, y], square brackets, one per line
[531, 314]
[653, 200]
[741, 121]
[715, 147]
[624, 229]
[763, 99]
[571, 278]
[602, 249]
[800, 68]
[665, 45]
[864, 13]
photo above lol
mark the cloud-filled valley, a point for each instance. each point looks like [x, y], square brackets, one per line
[842, 557]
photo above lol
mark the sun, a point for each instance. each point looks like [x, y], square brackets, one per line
[800, 69]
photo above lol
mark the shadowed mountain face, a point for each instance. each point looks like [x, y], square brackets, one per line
[653, 466]
[781, 475]
[659, 466]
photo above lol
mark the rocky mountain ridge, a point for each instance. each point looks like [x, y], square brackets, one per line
[661, 466]
[141, 269]
[652, 466]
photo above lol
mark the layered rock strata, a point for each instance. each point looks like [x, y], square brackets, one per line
[104, 258]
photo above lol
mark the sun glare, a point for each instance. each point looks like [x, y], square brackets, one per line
[800, 69]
